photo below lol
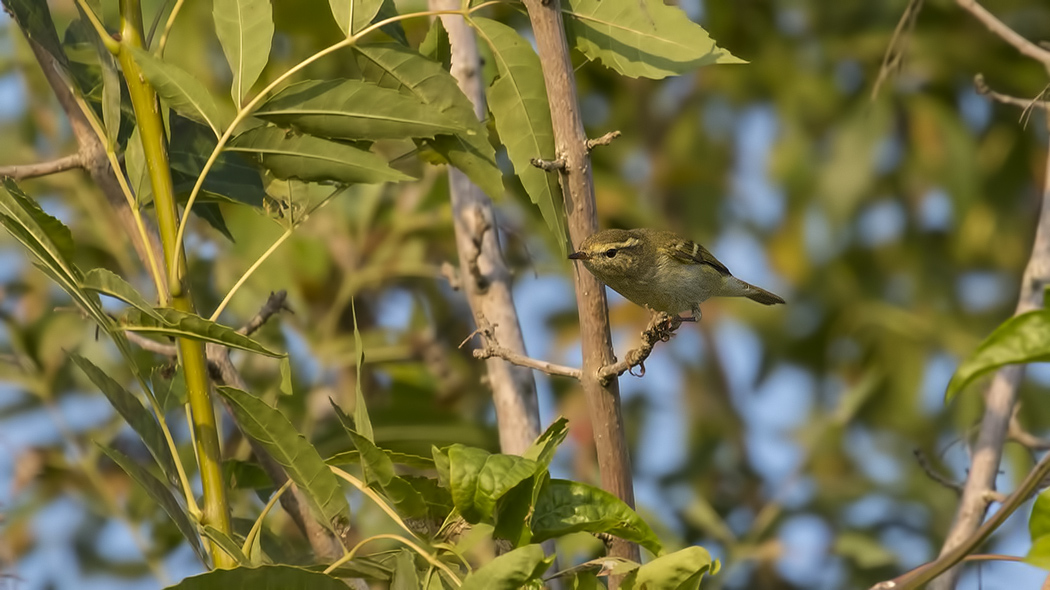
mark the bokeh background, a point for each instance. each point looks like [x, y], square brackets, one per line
[783, 439]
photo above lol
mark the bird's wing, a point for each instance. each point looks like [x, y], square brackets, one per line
[689, 252]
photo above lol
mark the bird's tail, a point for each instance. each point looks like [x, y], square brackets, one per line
[759, 294]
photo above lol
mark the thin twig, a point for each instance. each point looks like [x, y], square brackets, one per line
[1026, 104]
[894, 58]
[23, 171]
[932, 473]
[274, 304]
[151, 345]
[1018, 434]
[524, 361]
[548, 165]
[1004, 32]
[603, 140]
[660, 329]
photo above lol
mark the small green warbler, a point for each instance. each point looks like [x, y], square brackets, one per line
[661, 271]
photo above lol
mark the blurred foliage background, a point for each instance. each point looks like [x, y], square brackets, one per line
[782, 439]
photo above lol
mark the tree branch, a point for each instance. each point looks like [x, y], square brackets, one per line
[660, 329]
[23, 171]
[1026, 104]
[484, 276]
[577, 183]
[524, 361]
[1004, 32]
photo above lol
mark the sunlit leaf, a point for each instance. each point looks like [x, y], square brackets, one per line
[398, 67]
[566, 507]
[183, 91]
[681, 570]
[245, 30]
[264, 577]
[405, 576]
[518, 100]
[309, 158]
[1020, 339]
[641, 38]
[105, 282]
[352, 109]
[510, 571]
[299, 458]
[478, 478]
[178, 324]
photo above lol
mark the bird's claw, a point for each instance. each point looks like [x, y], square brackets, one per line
[641, 370]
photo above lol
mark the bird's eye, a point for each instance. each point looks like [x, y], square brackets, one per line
[611, 252]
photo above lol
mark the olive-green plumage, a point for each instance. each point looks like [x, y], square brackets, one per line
[661, 271]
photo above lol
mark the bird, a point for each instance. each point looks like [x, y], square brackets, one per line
[662, 271]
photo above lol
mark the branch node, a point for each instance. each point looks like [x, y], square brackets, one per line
[549, 165]
[603, 140]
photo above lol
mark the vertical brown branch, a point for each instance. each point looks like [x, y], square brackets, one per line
[578, 189]
[483, 272]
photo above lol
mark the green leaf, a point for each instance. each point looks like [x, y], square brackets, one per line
[107, 283]
[393, 66]
[1021, 339]
[478, 478]
[182, 91]
[110, 84]
[518, 101]
[245, 31]
[211, 213]
[232, 178]
[378, 469]
[641, 38]
[354, 15]
[226, 543]
[131, 409]
[436, 46]
[178, 324]
[542, 450]
[681, 570]
[389, 10]
[406, 459]
[1039, 521]
[161, 495]
[352, 109]
[1039, 553]
[567, 507]
[34, 18]
[309, 158]
[405, 576]
[291, 449]
[169, 387]
[265, 577]
[361, 419]
[510, 571]
[51, 243]
[516, 508]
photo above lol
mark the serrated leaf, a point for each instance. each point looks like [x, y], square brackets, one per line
[264, 577]
[510, 571]
[226, 543]
[299, 458]
[436, 46]
[354, 15]
[161, 495]
[105, 282]
[131, 409]
[1021, 339]
[352, 109]
[518, 101]
[182, 91]
[245, 31]
[393, 66]
[231, 179]
[178, 324]
[309, 158]
[567, 507]
[641, 38]
[378, 469]
[478, 479]
[681, 570]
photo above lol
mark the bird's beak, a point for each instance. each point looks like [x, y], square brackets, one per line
[579, 256]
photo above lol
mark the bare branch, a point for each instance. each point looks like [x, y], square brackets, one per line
[660, 329]
[23, 171]
[151, 345]
[274, 304]
[548, 165]
[1004, 32]
[932, 473]
[603, 140]
[524, 361]
[1026, 104]
[894, 58]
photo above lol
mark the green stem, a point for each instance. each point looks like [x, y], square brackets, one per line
[191, 352]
